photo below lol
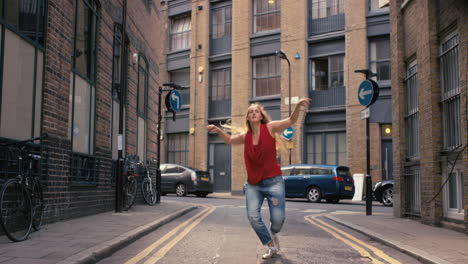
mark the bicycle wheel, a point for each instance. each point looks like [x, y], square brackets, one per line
[130, 191]
[149, 192]
[37, 200]
[16, 211]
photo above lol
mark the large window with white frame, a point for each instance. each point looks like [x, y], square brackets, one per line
[412, 111]
[180, 33]
[379, 58]
[453, 192]
[266, 15]
[22, 37]
[327, 72]
[449, 83]
[142, 109]
[266, 76]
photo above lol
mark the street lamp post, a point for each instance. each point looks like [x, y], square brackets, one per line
[283, 56]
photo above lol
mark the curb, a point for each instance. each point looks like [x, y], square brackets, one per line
[414, 252]
[107, 248]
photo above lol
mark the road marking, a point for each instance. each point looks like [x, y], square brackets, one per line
[349, 241]
[313, 211]
[156, 244]
[163, 251]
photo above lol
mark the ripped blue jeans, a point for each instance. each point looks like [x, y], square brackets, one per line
[273, 190]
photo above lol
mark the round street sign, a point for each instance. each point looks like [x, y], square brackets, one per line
[288, 133]
[368, 92]
[173, 101]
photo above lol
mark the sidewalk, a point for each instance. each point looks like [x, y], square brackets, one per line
[91, 238]
[428, 244]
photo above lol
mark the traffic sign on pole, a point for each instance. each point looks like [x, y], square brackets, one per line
[288, 133]
[368, 92]
[173, 101]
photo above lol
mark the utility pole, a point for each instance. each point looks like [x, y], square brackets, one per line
[123, 85]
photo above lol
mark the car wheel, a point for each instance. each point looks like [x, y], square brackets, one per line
[202, 194]
[181, 190]
[314, 195]
[387, 196]
[333, 201]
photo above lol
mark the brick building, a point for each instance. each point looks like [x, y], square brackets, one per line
[429, 40]
[226, 52]
[60, 74]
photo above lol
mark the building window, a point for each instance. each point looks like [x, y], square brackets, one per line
[177, 148]
[26, 17]
[327, 72]
[181, 27]
[83, 110]
[454, 196]
[220, 93]
[182, 78]
[142, 102]
[378, 4]
[449, 82]
[412, 111]
[22, 25]
[326, 8]
[266, 76]
[266, 15]
[379, 56]
[221, 22]
[326, 16]
[326, 148]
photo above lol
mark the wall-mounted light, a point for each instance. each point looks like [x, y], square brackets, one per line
[200, 74]
[200, 7]
[271, 1]
[135, 58]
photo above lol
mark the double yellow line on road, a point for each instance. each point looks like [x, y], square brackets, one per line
[188, 224]
[352, 241]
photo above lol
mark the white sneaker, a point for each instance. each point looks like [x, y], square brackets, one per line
[275, 240]
[271, 252]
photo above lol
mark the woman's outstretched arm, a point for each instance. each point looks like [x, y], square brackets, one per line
[280, 125]
[228, 139]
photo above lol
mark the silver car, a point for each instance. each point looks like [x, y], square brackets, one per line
[183, 180]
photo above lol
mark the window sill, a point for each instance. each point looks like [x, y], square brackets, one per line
[265, 98]
[265, 33]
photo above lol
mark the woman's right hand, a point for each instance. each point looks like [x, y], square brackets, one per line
[211, 128]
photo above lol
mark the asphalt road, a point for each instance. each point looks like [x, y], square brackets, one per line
[219, 232]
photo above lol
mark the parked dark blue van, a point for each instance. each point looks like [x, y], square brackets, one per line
[316, 182]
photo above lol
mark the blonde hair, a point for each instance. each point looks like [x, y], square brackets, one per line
[280, 144]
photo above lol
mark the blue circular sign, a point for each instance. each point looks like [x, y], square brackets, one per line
[288, 133]
[368, 92]
[173, 101]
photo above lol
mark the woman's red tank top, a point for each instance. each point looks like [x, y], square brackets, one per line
[260, 160]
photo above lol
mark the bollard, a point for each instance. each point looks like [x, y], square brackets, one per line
[368, 195]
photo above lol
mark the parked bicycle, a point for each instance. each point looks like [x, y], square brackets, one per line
[134, 167]
[21, 198]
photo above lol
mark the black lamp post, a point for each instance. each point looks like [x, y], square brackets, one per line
[283, 56]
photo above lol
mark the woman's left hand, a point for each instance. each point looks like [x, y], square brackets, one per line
[305, 102]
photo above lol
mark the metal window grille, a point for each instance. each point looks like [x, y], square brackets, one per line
[380, 58]
[266, 15]
[83, 169]
[412, 187]
[181, 28]
[412, 112]
[266, 76]
[220, 93]
[449, 71]
[326, 16]
[177, 148]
